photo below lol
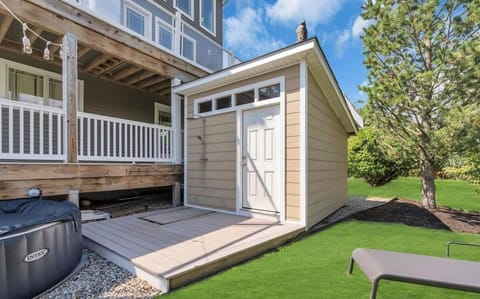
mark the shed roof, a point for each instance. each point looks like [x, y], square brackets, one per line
[309, 50]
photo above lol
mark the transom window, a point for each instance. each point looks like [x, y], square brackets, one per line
[207, 15]
[246, 97]
[186, 6]
[269, 92]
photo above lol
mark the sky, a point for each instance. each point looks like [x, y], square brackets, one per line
[255, 27]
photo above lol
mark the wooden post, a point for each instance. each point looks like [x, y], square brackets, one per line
[176, 194]
[70, 95]
[176, 111]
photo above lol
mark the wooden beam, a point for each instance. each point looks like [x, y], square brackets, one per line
[70, 94]
[7, 21]
[96, 61]
[160, 86]
[151, 81]
[60, 17]
[34, 37]
[82, 52]
[115, 63]
[139, 77]
[58, 179]
[130, 70]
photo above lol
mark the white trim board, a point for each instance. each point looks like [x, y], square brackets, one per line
[303, 142]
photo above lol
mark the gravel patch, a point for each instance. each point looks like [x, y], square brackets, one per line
[100, 278]
[353, 205]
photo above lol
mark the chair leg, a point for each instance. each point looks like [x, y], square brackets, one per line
[350, 267]
[373, 294]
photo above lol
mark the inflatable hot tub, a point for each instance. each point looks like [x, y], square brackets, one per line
[40, 245]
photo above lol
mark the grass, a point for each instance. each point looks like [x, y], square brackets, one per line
[316, 266]
[450, 193]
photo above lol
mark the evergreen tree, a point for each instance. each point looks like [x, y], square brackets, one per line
[423, 58]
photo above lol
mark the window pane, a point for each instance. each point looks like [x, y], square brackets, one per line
[207, 14]
[185, 5]
[164, 118]
[165, 38]
[55, 93]
[269, 92]
[187, 48]
[205, 107]
[135, 21]
[224, 102]
[25, 87]
[245, 97]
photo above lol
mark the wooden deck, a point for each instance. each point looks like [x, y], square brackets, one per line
[170, 248]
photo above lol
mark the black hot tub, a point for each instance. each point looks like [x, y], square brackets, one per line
[40, 244]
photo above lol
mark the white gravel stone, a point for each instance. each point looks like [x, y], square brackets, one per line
[100, 278]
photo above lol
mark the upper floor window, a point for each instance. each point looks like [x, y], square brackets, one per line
[137, 19]
[165, 34]
[186, 6]
[188, 47]
[207, 15]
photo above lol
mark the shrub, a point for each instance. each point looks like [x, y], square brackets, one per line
[368, 159]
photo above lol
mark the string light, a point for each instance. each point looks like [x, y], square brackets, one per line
[46, 52]
[27, 46]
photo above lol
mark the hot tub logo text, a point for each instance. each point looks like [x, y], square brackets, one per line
[35, 255]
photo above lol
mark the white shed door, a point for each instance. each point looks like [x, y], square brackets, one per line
[261, 159]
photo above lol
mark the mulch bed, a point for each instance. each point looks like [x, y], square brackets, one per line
[411, 213]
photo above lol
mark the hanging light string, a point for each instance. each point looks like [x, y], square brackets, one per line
[27, 47]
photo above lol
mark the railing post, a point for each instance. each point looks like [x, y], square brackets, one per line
[176, 104]
[70, 94]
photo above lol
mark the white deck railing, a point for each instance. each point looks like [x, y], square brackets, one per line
[29, 131]
[102, 138]
[34, 132]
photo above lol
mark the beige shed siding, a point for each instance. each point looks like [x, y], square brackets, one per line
[327, 157]
[213, 184]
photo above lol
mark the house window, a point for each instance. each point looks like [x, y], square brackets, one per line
[55, 92]
[137, 19]
[207, 15]
[245, 97]
[188, 48]
[205, 107]
[165, 35]
[25, 87]
[35, 86]
[269, 92]
[186, 6]
[163, 115]
[225, 102]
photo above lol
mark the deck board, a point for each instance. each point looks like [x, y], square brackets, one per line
[189, 241]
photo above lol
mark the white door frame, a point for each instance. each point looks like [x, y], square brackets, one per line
[239, 198]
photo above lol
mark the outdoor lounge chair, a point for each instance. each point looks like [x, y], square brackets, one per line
[418, 269]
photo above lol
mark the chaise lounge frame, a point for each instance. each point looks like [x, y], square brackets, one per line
[417, 269]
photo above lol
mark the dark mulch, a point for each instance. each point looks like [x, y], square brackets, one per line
[411, 213]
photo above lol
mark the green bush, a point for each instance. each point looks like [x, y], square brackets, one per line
[368, 159]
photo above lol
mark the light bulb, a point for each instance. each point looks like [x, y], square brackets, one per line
[27, 48]
[46, 52]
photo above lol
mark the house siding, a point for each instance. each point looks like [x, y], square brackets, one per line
[213, 183]
[327, 157]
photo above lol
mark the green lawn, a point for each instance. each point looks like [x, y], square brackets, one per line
[450, 193]
[316, 266]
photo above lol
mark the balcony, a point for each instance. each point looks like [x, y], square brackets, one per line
[31, 132]
[162, 29]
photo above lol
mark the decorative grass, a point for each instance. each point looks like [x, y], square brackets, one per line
[450, 193]
[316, 266]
